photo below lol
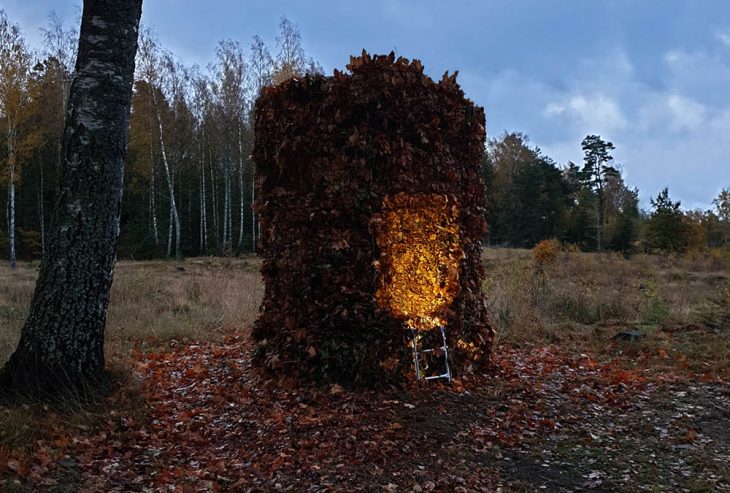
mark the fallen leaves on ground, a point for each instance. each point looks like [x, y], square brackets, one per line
[540, 417]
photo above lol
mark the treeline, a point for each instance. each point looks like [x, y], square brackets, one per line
[530, 198]
[189, 178]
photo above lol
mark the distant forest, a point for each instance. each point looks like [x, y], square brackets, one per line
[189, 178]
[530, 198]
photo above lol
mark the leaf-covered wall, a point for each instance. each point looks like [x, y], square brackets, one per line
[329, 153]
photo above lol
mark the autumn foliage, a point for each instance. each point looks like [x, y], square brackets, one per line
[420, 250]
[546, 252]
[370, 196]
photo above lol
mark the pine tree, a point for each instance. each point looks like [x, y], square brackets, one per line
[666, 229]
[596, 170]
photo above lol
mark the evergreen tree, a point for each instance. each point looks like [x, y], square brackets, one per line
[596, 171]
[622, 215]
[666, 229]
[722, 212]
[533, 210]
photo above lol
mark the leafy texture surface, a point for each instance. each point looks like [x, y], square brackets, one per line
[419, 261]
[337, 159]
[541, 417]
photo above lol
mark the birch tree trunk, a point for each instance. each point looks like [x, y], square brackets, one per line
[203, 215]
[253, 212]
[229, 208]
[214, 196]
[153, 205]
[170, 221]
[61, 348]
[11, 193]
[170, 187]
[189, 183]
[240, 189]
[226, 198]
[202, 232]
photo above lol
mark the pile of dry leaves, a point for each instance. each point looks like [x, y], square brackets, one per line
[210, 424]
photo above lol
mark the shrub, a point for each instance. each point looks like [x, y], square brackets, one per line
[546, 252]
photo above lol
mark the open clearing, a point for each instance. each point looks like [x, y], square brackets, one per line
[565, 408]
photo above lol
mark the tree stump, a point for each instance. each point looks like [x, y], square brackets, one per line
[371, 201]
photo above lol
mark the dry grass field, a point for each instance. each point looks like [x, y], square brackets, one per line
[152, 303]
[682, 304]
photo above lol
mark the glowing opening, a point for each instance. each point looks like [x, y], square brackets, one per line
[418, 236]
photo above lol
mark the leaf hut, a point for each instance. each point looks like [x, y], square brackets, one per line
[371, 204]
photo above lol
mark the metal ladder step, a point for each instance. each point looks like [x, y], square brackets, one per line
[418, 352]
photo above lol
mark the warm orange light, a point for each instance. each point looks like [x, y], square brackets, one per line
[418, 236]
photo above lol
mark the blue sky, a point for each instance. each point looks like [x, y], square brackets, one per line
[653, 76]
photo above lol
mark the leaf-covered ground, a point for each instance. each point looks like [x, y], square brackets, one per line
[542, 420]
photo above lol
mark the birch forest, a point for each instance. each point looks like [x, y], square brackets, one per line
[188, 186]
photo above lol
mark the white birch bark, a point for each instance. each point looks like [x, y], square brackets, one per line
[203, 235]
[153, 206]
[214, 197]
[170, 186]
[11, 190]
[240, 188]
[203, 225]
[170, 221]
[11, 206]
[226, 201]
[254, 222]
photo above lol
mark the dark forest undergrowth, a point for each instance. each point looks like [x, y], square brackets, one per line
[566, 406]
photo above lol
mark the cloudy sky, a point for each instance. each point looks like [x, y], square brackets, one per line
[653, 76]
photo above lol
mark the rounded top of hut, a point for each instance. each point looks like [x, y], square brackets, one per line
[391, 69]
